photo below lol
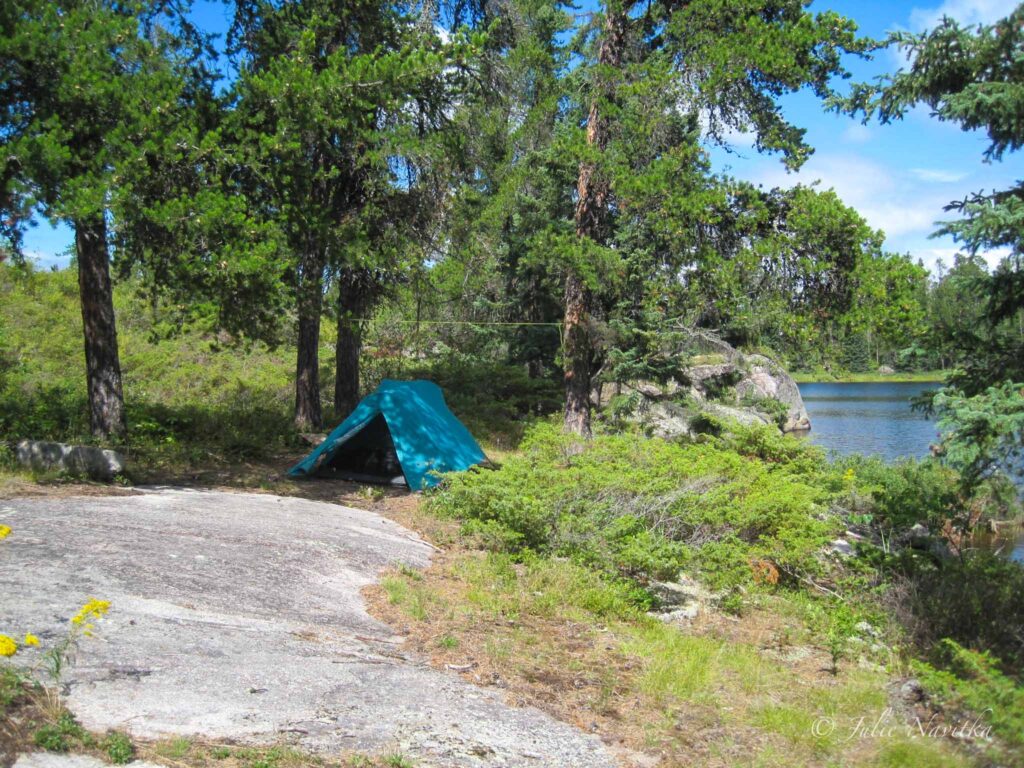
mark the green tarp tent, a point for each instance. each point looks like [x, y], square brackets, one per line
[402, 431]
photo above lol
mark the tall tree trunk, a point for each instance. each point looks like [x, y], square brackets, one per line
[308, 413]
[577, 356]
[355, 298]
[102, 364]
[591, 219]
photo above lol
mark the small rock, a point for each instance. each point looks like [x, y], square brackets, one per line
[842, 547]
[866, 629]
[681, 592]
[912, 691]
[689, 613]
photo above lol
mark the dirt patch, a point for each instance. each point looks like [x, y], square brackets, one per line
[576, 675]
[19, 487]
[767, 683]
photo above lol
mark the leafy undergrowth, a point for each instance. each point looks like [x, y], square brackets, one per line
[804, 646]
[966, 682]
[732, 513]
[720, 692]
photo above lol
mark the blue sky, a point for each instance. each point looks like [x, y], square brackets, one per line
[898, 176]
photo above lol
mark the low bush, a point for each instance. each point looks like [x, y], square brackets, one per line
[644, 509]
[970, 685]
[976, 599]
[119, 748]
[905, 492]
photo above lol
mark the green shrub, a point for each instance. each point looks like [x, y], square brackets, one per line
[11, 687]
[119, 748]
[772, 407]
[905, 492]
[976, 599]
[645, 508]
[51, 738]
[58, 736]
[969, 682]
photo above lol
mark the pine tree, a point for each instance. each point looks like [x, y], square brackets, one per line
[974, 77]
[79, 81]
[320, 81]
[722, 65]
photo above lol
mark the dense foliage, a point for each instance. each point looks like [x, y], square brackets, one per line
[647, 508]
[433, 154]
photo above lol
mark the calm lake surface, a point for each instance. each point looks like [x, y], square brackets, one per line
[876, 418]
[869, 418]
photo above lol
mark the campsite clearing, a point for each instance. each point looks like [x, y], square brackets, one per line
[239, 617]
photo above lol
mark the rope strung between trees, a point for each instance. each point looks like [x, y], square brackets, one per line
[559, 326]
[455, 322]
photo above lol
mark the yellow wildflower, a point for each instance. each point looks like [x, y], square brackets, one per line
[5, 531]
[7, 646]
[93, 609]
[30, 639]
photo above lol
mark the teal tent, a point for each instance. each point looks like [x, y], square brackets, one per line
[402, 431]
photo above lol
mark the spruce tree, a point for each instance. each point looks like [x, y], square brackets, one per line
[79, 83]
[721, 65]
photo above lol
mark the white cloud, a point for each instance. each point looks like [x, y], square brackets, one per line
[888, 201]
[858, 133]
[43, 260]
[931, 256]
[938, 175]
[964, 11]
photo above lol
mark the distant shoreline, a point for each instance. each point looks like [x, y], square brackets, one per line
[871, 377]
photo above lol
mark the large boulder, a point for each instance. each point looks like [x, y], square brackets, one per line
[666, 419]
[82, 460]
[646, 405]
[764, 378]
[748, 417]
[730, 386]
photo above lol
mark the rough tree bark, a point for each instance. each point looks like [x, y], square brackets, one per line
[357, 291]
[308, 412]
[591, 220]
[102, 364]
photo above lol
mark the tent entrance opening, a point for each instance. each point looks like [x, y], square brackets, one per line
[369, 457]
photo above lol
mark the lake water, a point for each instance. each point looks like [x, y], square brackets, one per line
[876, 418]
[871, 418]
